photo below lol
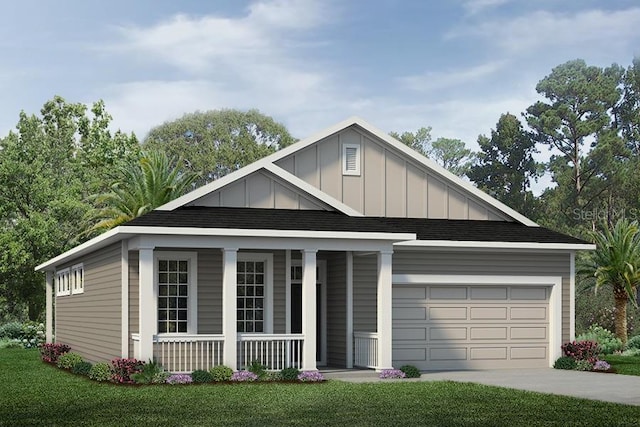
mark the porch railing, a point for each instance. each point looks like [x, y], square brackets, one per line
[186, 353]
[365, 348]
[275, 351]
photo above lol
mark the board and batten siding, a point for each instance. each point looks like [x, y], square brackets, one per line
[389, 184]
[489, 263]
[261, 189]
[91, 322]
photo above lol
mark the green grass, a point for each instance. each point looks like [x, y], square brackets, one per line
[34, 393]
[625, 365]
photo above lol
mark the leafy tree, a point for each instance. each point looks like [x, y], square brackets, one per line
[629, 110]
[616, 262]
[215, 143]
[142, 187]
[419, 141]
[505, 165]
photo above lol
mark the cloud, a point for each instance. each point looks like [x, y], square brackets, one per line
[440, 80]
[476, 6]
[590, 30]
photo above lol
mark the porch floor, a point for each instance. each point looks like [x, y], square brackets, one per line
[344, 374]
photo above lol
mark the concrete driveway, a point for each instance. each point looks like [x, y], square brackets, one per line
[588, 385]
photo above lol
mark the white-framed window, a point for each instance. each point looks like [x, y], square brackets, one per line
[176, 286]
[77, 279]
[254, 307]
[351, 159]
[63, 282]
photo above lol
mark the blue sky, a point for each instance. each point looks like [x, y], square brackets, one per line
[454, 65]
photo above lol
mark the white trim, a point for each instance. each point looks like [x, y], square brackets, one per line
[229, 306]
[192, 288]
[572, 296]
[309, 309]
[267, 258]
[148, 305]
[77, 270]
[384, 310]
[49, 306]
[493, 245]
[358, 159]
[287, 291]
[349, 303]
[63, 282]
[555, 297]
[124, 289]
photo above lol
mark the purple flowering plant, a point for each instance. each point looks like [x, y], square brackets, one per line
[310, 376]
[179, 379]
[243, 376]
[601, 365]
[392, 374]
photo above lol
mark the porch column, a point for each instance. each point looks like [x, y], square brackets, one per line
[147, 302]
[229, 306]
[384, 310]
[49, 307]
[349, 303]
[309, 309]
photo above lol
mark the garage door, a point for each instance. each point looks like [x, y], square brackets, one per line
[470, 327]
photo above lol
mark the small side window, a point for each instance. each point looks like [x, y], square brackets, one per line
[63, 282]
[351, 159]
[77, 279]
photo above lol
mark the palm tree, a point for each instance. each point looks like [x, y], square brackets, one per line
[616, 262]
[145, 185]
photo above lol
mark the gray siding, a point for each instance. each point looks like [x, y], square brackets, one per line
[365, 294]
[91, 323]
[336, 309]
[389, 184]
[209, 291]
[279, 293]
[134, 296]
[490, 263]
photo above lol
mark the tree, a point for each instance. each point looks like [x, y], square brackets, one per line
[451, 154]
[629, 110]
[214, 143]
[616, 262]
[142, 187]
[505, 165]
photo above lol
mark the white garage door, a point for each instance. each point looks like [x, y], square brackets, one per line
[470, 327]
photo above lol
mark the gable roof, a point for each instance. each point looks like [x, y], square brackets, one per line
[268, 163]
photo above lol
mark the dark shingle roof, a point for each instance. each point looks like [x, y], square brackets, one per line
[316, 220]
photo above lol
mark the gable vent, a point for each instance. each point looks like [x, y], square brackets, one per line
[351, 159]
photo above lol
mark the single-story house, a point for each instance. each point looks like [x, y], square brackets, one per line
[344, 249]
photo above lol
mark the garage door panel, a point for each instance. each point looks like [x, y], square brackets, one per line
[409, 334]
[487, 293]
[539, 333]
[448, 313]
[529, 313]
[488, 313]
[447, 293]
[409, 293]
[528, 294]
[448, 353]
[489, 353]
[410, 354]
[445, 334]
[529, 353]
[488, 333]
[411, 313]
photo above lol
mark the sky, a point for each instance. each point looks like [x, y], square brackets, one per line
[454, 65]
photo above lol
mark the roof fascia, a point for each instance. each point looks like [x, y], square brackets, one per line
[493, 245]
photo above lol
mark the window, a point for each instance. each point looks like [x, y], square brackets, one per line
[351, 159]
[63, 282]
[77, 279]
[254, 293]
[173, 294]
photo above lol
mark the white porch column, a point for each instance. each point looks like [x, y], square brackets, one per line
[148, 300]
[309, 309]
[349, 303]
[49, 307]
[229, 306]
[384, 310]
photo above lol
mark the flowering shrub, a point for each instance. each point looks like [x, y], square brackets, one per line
[28, 334]
[391, 373]
[243, 376]
[310, 376]
[179, 379]
[69, 360]
[584, 365]
[581, 350]
[123, 369]
[52, 351]
[608, 343]
[100, 372]
[601, 365]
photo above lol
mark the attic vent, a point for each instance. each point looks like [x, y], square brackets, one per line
[351, 159]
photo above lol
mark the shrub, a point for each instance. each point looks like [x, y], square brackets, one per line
[10, 344]
[51, 352]
[179, 379]
[581, 350]
[28, 334]
[100, 372]
[200, 376]
[69, 360]
[310, 376]
[221, 373]
[601, 365]
[258, 368]
[123, 369]
[634, 342]
[11, 330]
[243, 376]
[289, 374]
[584, 365]
[151, 373]
[82, 368]
[565, 362]
[392, 374]
[608, 343]
[632, 352]
[410, 371]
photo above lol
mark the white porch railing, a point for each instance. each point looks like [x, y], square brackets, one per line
[186, 353]
[275, 351]
[365, 349]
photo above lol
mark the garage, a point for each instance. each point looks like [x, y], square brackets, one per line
[479, 325]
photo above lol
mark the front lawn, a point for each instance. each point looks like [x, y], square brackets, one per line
[625, 365]
[33, 393]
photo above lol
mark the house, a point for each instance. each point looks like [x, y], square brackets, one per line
[344, 249]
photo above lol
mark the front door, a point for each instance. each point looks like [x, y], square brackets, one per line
[296, 307]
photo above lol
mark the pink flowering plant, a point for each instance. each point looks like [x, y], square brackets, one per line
[310, 377]
[392, 374]
[123, 369]
[243, 376]
[582, 350]
[51, 351]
